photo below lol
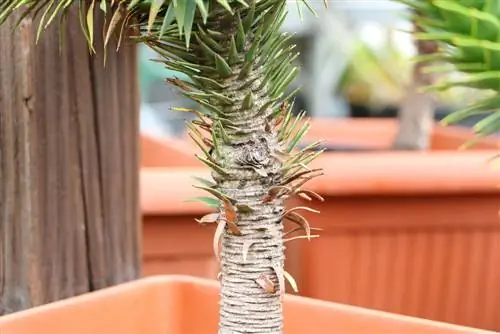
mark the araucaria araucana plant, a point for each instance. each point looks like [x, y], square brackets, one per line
[468, 34]
[239, 65]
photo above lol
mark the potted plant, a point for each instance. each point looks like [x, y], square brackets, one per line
[423, 244]
[431, 208]
[180, 304]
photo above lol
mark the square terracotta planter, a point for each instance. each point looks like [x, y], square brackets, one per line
[187, 305]
[414, 233]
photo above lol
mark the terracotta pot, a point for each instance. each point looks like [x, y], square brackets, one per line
[170, 152]
[366, 132]
[415, 233]
[182, 305]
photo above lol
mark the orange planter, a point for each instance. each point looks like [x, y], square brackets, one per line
[186, 305]
[415, 233]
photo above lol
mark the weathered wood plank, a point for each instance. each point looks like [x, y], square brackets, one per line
[69, 216]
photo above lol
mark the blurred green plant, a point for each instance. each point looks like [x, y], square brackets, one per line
[468, 33]
[379, 78]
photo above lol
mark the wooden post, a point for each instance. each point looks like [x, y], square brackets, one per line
[69, 216]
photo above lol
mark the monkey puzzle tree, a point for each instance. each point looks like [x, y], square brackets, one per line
[468, 34]
[239, 65]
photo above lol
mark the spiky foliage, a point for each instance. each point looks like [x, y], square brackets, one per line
[239, 65]
[468, 32]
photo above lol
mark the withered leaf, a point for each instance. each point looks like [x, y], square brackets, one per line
[308, 237]
[309, 193]
[299, 219]
[245, 208]
[246, 247]
[299, 175]
[266, 284]
[299, 229]
[281, 279]
[291, 280]
[276, 190]
[301, 208]
[304, 196]
[208, 219]
[234, 228]
[231, 215]
[267, 198]
[305, 180]
[218, 233]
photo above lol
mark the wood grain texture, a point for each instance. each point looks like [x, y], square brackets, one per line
[69, 215]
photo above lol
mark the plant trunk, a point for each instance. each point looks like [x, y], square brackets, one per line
[245, 306]
[416, 114]
[245, 153]
[69, 216]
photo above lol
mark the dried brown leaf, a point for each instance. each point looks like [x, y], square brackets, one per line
[279, 120]
[231, 217]
[229, 210]
[178, 83]
[208, 142]
[208, 219]
[299, 219]
[115, 19]
[299, 229]
[245, 208]
[304, 196]
[218, 233]
[265, 283]
[280, 273]
[291, 280]
[285, 105]
[234, 228]
[310, 194]
[299, 175]
[274, 192]
[246, 247]
[301, 208]
[267, 198]
[304, 180]
[202, 125]
[308, 237]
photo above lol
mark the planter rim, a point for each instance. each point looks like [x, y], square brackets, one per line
[166, 189]
[161, 280]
